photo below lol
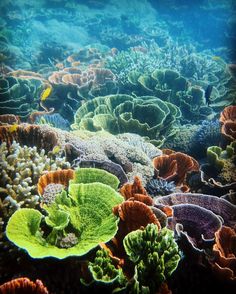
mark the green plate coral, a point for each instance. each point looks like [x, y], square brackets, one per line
[76, 223]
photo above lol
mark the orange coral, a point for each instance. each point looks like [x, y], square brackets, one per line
[228, 123]
[228, 130]
[136, 191]
[23, 285]
[9, 119]
[224, 250]
[133, 216]
[30, 135]
[55, 177]
[229, 113]
[128, 190]
[174, 167]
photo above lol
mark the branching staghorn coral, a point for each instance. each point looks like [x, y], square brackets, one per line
[20, 169]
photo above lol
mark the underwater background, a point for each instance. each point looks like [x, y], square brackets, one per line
[118, 146]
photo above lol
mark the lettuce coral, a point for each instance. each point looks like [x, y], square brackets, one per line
[19, 95]
[74, 213]
[147, 116]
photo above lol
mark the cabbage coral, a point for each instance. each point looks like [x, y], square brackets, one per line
[147, 116]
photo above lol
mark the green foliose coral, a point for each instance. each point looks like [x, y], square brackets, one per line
[75, 214]
[155, 256]
[223, 161]
[104, 272]
[19, 96]
[147, 116]
[169, 85]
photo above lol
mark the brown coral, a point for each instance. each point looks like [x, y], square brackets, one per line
[9, 119]
[128, 190]
[136, 191]
[133, 215]
[23, 285]
[174, 167]
[30, 135]
[55, 177]
[229, 113]
[228, 123]
[224, 250]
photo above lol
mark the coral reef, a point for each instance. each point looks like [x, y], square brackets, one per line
[89, 92]
[72, 85]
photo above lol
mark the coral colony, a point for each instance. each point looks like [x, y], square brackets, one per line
[117, 147]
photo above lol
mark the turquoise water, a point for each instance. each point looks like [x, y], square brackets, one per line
[145, 90]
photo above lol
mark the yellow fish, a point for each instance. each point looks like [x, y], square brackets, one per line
[13, 128]
[56, 150]
[216, 58]
[46, 93]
